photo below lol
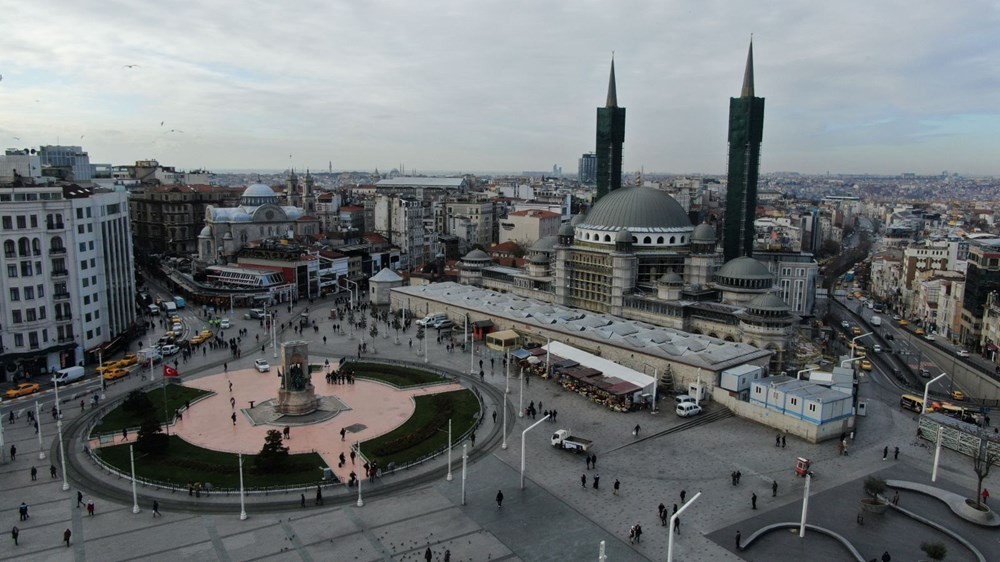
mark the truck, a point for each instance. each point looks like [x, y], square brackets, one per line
[145, 355]
[562, 439]
[876, 321]
[180, 302]
[169, 307]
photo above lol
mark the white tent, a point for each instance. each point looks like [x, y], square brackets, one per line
[609, 368]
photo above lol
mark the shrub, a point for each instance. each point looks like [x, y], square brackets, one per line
[138, 403]
[151, 440]
[935, 550]
[273, 455]
[874, 487]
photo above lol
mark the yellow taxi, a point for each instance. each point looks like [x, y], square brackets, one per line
[23, 389]
[866, 364]
[108, 365]
[198, 340]
[207, 333]
[957, 395]
[113, 374]
[904, 322]
[129, 359]
[919, 331]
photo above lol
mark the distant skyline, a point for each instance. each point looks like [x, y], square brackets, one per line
[851, 87]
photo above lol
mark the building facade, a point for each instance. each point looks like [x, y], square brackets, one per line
[167, 219]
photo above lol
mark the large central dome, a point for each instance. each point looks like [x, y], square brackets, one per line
[637, 207]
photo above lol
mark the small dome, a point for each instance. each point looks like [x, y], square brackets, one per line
[476, 255]
[227, 236]
[385, 276]
[566, 229]
[768, 302]
[744, 268]
[258, 194]
[671, 279]
[577, 219]
[538, 258]
[546, 244]
[638, 207]
[623, 237]
[704, 233]
[206, 232]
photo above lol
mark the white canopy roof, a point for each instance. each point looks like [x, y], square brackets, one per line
[609, 368]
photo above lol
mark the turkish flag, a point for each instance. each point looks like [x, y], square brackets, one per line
[169, 371]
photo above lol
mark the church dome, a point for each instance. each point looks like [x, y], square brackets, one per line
[637, 207]
[704, 233]
[258, 194]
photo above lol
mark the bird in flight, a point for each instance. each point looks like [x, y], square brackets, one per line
[176, 131]
[16, 138]
[129, 65]
[161, 123]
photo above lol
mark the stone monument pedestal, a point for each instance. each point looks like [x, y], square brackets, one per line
[297, 395]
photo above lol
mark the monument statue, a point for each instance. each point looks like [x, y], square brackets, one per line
[296, 396]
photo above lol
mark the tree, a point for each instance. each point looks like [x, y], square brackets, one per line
[982, 460]
[935, 550]
[273, 455]
[151, 440]
[874, 487]
[138, 403]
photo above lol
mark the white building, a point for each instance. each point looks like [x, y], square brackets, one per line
[26, 164]
[69, 285]
[403, 220]
[529, 226]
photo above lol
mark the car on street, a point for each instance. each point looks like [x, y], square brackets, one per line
[904, 322]
[929, 337]
[890, 337]
[115, 374]
[866, 364]
[443, 324]
[129, 359]
[108, 365]
[897, 317]
[225, 324]
[23, 389]
[877, 348]
[925, 373]
[962, 353]
[919, 331]
[170, 349]
[957, 395]
[687, 409]
[262, 366]
[845, 324]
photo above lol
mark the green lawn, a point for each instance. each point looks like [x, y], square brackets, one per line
[186, 464]
[395, 375]
[177, 395]
[427, 429]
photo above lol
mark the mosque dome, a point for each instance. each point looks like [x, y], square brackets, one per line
[476, 255]
[206, 232]
[258, 194]
[704, 233]
[769, 303]
[637, 207]
[623, 237]
[566, 229]
[545, 244]
[744, 273]
[671, 279]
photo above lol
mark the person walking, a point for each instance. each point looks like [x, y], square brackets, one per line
[593, 461]
[753, 500]
[635, 431]
[683, 495]
[985, 495]
[156, 509]
[14, 533]
[22, 510]
[739, 539]
[13, 452]
[616, 486]
[638, 533]
[597, 481]
[777, 440]
[885, 453]
[66, 536]
[52, 470]
[782, 441]
[34, 473]
[233, 417]
[583, 480]
[90, 506]
[319, 495]
[428, 555]
[499, 499]
[124, 434]
[494, 416]
[774, 488]
[343, 433]
[895, 454]
[79, 499]
[677, 525]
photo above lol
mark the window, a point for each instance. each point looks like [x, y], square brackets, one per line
[87, 317]
[11, 270]
[41, 313]
[79, 213]
[22, 222]
[90, 245]
[812, 407]
[15, 316]
[29, 293]
[8, 223]
[86, 299]
[34, 221]
[83, 264]
[86, 281]
[90, 227]
[83, 246]
[26, 269]
[90, 334]
[93, 262]
[8, 249]
[40, 290]
[30, 315]
[19, 340]
[89, 214]
[794, 401]
[79, 229]
[15, 294]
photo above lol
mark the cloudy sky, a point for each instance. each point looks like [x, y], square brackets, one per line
[480, 85]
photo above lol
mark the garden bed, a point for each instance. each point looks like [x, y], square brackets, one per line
[426, 431]
[176, 396]
[395, 375]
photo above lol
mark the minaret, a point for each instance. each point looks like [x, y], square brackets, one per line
[746, 126]
[292, 196]
[610, 137]
[309, 199]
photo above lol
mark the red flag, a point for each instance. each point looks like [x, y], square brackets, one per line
[169, 371]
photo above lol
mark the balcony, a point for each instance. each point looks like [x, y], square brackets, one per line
[60, 250]
[67, 339]
[55, 226]
[61, 296]
[64, 318]
[60, 272]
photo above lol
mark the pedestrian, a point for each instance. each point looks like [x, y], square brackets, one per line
[635, 431]
[985, 495]
[774, 488]
[353, 454]
[52, 470]
[663, 517]
[886, 557]
[232, 402]
[777, 440]
[287, 432]
[638, 533]
[782, 441]
[233, 417]
[739, 539]
[499, 499]
[156, 509]
[428, 555]
[225, 369]
[473, 437]
[597, 481]
[677, 525]
[34, 473]
[885, 453]
[124, 434]
[66, 536]
[895, 498]
[587, 460]
[79, 499]
[616, 486]
[22, 510]
[753, 500]
[302, 500]
[14, 533]
[732, 477]
[583, 480]
[739, 476]
[447, 555]
[90, 506]
[13, 452]
[494, 416]
[895, 454]
[631, 534]
[343, 433]
[319, 495]
[593, 460]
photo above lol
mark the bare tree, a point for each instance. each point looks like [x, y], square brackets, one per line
[982, 460]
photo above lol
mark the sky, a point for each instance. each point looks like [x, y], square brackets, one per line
[853, 86]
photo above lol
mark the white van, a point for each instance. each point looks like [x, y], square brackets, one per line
[225, 324]
[69, 374]
[688, 409]
[432, 319]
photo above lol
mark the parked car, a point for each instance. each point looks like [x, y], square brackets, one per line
[962, 353]
[23, 389]
[866, 364]
[688, 409]
[262, 366]
[684, 399]
[564, 440]
[443, 324]
[170, 349]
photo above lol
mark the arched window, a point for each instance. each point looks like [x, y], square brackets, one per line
[23, 247]
[647, 240]
[607, 238]
[659, 240]
[57, 243]
[673, 239]
[8, 249]
[635, 240]
[682, 239]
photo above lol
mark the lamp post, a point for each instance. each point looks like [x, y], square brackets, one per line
[656, 382]
[465, 458]
[62, 448]
[507, 389]
[798, 374]
[805, 505]
[41, 449]
[243, 506]
[426, 337]
[670, 540]
[135, 498]
[520, 396]
[523, 433]
[548, 356]
[274, 337]
[472, 348]
[937, 453]
[360, 503]
[927, 389]
[448, 478]
[504, 444]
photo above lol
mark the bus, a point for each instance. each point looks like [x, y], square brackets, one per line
[912, 402]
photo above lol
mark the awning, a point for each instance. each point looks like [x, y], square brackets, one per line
[482, 324]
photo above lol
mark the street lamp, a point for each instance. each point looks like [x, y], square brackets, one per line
[62, 448]
[523, 434]
[670, 541]
[656, 382]
[927, 389]
[798, 375]
[41, 450]
[856, 338]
